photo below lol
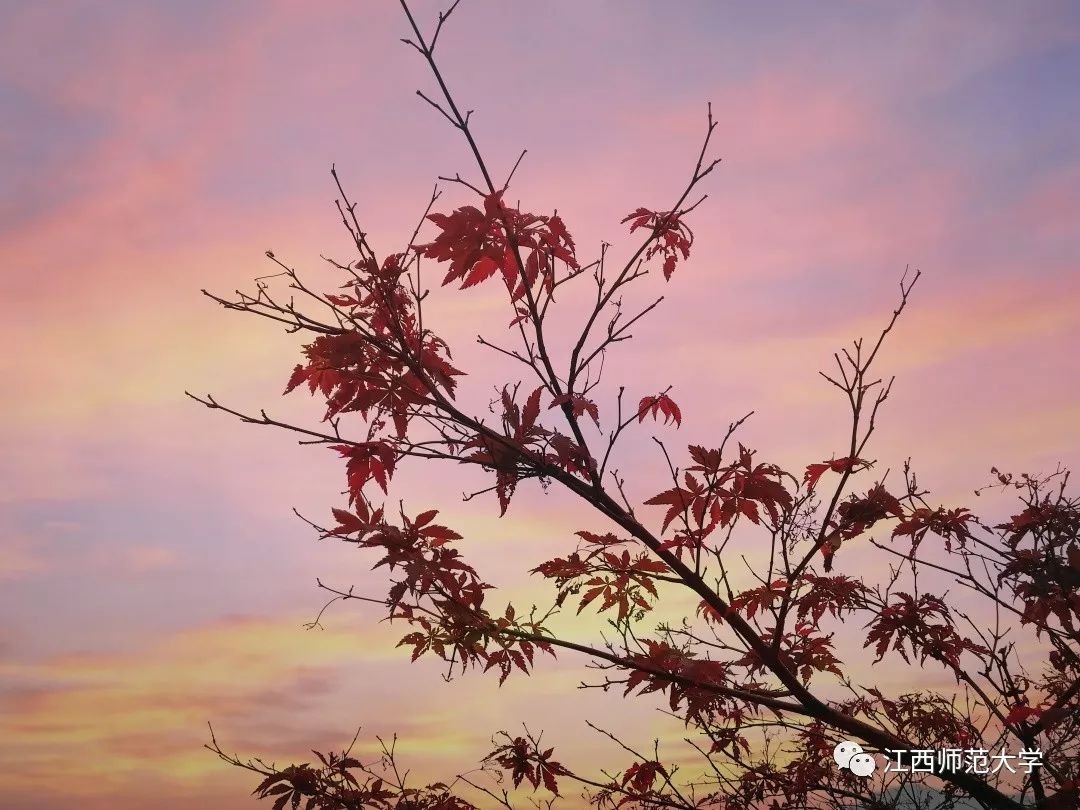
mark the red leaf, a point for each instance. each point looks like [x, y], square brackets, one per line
[669, 266]
[670, 236]
[300, 373]
[532, 409]
[579, 405]
[562, 569]
[440, 534]
[482, 270]
[641, 775]
[1020, 713]
[367, 460]
[837, 465]
[662, 404]
[425, 517]
[478, 244]
[607, 539]
[677, 500]
[347, 522]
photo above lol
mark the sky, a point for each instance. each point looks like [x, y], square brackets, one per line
[152, 575]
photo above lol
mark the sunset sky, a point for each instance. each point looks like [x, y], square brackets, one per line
[152, 575]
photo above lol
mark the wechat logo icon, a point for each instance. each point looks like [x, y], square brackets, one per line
[850, 755]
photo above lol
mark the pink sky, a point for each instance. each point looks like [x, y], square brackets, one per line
[152, 576]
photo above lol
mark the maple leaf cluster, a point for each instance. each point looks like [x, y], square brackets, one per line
[672, 236]
[928, 720]
[803, 650]
[343, 782]
[635, 787]
[618, 580]
[526, 762]
[949, 524]
[836, 594]
[441, 594]
[378, 363]
[1043, 568]
[695, 682]
[857, 514]
[480, 243]
[763, 597]
[526, 444]
[910, 619]
[814, 767]
[721, 494]
[660, 405]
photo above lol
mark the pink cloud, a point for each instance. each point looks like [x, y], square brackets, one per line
[827, 189]
[19, 558]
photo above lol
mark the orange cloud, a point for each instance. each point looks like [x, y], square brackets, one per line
[95, 724]
[99, 727]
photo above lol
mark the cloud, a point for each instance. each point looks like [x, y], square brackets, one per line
[160, 149]
[143, 559]
[98, 727]
[92, 724]
[19, 558]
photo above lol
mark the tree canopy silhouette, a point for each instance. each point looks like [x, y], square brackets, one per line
[754, 673]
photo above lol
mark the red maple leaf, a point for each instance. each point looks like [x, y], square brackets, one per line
[526, 762]
[677, 500]
[641, 775]
[480, 244]
[579, 405]
[762, 597]
[1021, 712]
[657, 405]
[837, 465]
[950, 524]
[367, 460]
[671, 235]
